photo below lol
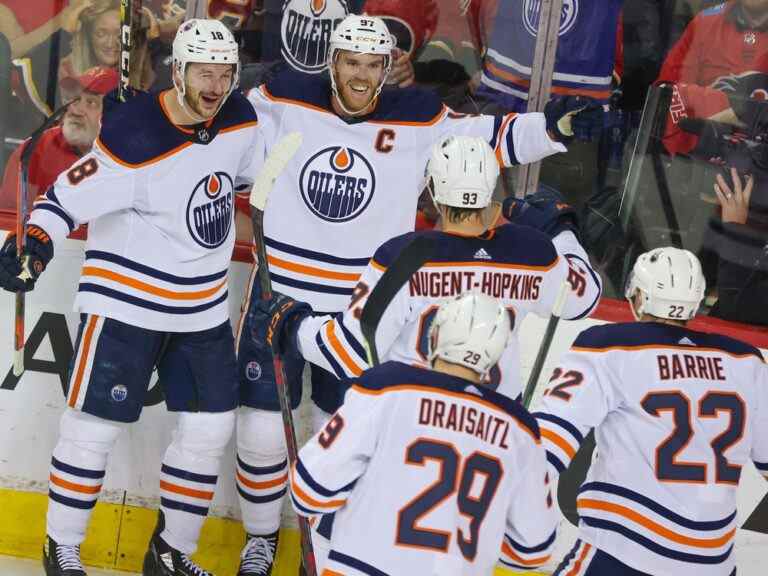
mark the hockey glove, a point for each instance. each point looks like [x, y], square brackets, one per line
[573, 116]
[545, 210]
[20, 275]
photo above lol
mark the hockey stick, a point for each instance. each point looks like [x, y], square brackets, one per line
[546, 343]
[275, 163]
[22, 211]
[412, 257]
[130, 15]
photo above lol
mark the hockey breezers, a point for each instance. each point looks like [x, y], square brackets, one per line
[274, 164]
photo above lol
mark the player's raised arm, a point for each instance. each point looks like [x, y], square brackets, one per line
[523, 138]
[335, 457]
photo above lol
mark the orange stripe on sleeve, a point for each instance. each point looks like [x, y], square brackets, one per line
[499, 138]
[85, 352]
[262, 485]
[82, 488]
[655, 526]
[149, 288]
[555, 438]
[299, 493]
[577, 567]
[507, 549]
[340, 351]
[312, 270]
[184, 491]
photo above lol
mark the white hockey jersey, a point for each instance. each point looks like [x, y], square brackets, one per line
[676, 414]
[428, 474]
[516, 264]
[160, 212]
[353, 185]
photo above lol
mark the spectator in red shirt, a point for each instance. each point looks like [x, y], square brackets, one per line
[721, 56]
[95, 39]
[61, 146]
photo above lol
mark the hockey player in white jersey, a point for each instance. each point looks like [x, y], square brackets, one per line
[467, 462]
[353, 184]
[520, 265]
[676, 414]
[157, 191]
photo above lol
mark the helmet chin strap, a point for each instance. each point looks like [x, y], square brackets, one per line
[340, 100]
[181, 96]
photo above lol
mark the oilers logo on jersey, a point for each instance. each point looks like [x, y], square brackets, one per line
[209, 210]
[337, 183]
[532, 12]
[305, 31]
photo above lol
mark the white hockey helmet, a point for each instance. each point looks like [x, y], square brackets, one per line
[471, 330]
[363, 35]
[463, 171]
[205, 42]
[670, 282]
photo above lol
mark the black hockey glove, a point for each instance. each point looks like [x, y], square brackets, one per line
[545, 210]
[573, 116]
[20, 275]
[275, 321]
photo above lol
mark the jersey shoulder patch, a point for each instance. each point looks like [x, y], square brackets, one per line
[237, 111]
[138, 131]
[299, 88]
[641, 334]
[388, 252]
[407, 105]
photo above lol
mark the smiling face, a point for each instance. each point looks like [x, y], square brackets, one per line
[206, 87]
[105, 38]
[358, 76]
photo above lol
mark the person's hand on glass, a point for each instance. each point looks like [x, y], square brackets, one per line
[734, 198]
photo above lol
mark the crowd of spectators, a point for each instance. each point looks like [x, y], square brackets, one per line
[702, 180]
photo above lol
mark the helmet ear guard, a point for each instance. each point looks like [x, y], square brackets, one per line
[203, 41]
[669, 282]
[471, 330]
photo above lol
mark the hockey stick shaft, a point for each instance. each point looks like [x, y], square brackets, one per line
[410, 259]
[283, 393]
[273, 166]
[22, 212]
[130, 17]
[546, 343]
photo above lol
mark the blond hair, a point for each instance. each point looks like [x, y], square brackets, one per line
[83, 56]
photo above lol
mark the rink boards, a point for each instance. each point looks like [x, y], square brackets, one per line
[30, 408]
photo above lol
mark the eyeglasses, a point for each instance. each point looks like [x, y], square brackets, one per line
[106, 35]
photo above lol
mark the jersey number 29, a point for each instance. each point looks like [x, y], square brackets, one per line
[456, 477]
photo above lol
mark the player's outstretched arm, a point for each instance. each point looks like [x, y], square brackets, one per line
[531, 527]
[336, 342]
[576, 399]
[331, 462]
